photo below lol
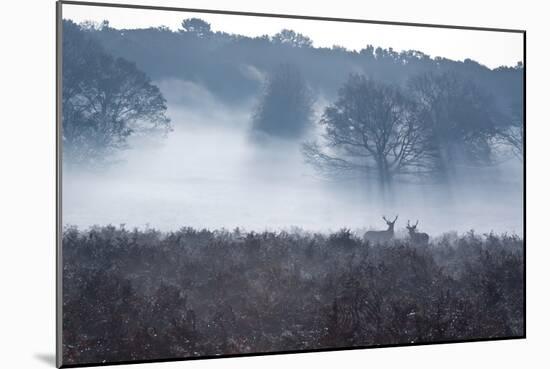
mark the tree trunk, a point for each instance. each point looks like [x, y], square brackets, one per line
[384, 182]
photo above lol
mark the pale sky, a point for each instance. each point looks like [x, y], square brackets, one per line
[490, 48]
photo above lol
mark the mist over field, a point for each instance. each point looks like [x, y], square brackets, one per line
[209, 173]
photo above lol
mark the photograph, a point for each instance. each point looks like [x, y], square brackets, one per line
[234, 184]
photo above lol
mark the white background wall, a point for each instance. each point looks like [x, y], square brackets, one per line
[27, 183]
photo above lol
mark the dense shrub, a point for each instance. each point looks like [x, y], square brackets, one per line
[144, 294]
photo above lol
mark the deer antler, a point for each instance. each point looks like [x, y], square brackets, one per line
[416, 223]
[397, 216]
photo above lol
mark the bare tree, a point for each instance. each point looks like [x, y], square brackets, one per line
[514, 137]
[512, 134]
[372, 129]
[462, 119]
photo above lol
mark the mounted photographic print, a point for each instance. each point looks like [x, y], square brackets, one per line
[235, 183]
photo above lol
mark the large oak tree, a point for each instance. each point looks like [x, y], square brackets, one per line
[372, 129]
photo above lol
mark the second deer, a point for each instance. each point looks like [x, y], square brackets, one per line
[415, 236]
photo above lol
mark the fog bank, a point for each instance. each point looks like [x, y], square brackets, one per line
[209, 173]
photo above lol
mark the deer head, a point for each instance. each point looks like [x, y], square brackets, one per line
[390, 223]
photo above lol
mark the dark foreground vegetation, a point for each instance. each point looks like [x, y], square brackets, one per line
[139, 295]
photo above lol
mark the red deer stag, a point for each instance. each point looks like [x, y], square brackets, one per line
[417, 237]
[381, 236]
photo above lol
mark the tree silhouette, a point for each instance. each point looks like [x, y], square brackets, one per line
[197, 26]
[372, 129]
[461, 117]
[291, 38]
[286, 106]
[513, 133]
[105, 101]
[218, 59]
